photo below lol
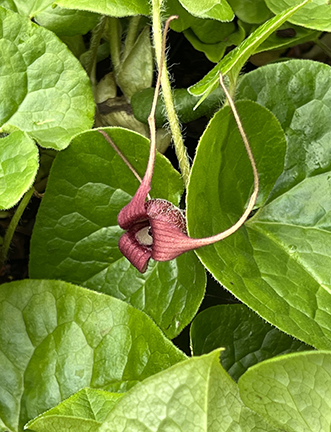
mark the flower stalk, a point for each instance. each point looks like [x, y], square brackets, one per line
[156, 228]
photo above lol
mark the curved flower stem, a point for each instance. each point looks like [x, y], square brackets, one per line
[13, 225]
[121, 155]
[167, 95]
[252, 200]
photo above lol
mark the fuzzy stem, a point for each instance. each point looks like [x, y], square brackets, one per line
[252, 200]
[131, 36]
[151, 117]
[114, 44]
[167, 95]
[121, 155]
[13, 225]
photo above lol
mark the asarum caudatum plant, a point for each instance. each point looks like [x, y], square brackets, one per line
[156, 228]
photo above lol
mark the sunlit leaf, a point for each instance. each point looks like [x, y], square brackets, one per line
[18, 167]
[44, 89]
[57, 338]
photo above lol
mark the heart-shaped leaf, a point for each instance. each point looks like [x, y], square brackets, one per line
[18, 167]
[246, 337]
[44, 89]
[57, 338]
[279, 263]
[76, 234]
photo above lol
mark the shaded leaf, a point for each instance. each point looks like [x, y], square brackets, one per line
[18, 167]
[45, 91]
[136, 71]
[250, 11]
[220, 35]
[291, 392]
[247, 338]
[58, 338]
[76, 233]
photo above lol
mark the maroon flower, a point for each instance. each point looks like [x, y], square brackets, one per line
[156, 228]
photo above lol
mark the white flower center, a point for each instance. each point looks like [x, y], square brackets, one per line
[143, 236]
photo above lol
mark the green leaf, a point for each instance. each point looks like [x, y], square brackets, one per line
[26, 8]
[18, 167]
[213, 37]
[279, 262]
[228, 185]
[291, 392]
[196, 395]
[58, 338]
[250, 11]
[65, 22]
[109, 7]
[45, 91]
[60, 21]
[298, 93]
[236, 58]
[184, 20]
[83, 411]
[315, 15]
[76, 233]
[247, 338]
[220, 11]
[275, 41]
[136, 72]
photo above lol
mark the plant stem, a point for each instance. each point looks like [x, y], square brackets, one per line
[13, 225]
[114, 44]
[167, 96]
[94, 45]
[131, 36]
